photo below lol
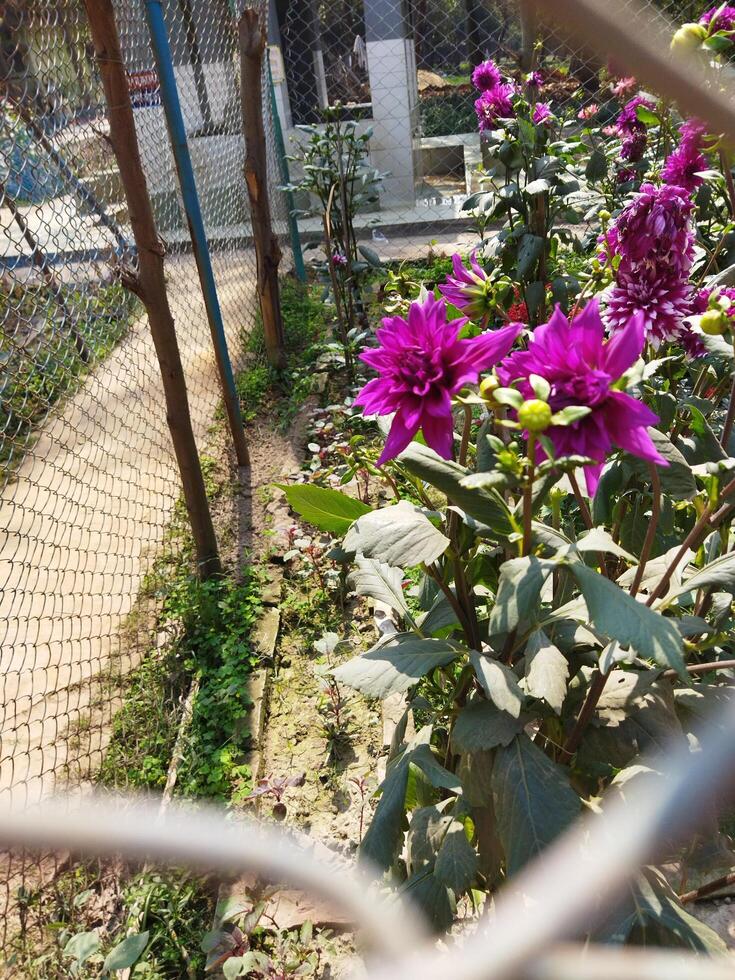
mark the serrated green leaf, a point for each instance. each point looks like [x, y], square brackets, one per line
[329, 510]
[519, 589]
[499, 683]
[126, 953]
[719, 573]
[547, 670]
[393, 666]
[533, 801]
[481, 725]
[380, 581]
[456, 863]
[621, 617]
[486, 506]
[400, 535]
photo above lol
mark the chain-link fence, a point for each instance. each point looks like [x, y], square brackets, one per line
[88, 480]
[403, 68]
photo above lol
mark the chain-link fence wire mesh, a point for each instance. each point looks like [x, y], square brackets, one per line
[88, 481]
[403, 67]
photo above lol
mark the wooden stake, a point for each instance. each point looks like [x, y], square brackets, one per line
[149, 283]
[267, 250]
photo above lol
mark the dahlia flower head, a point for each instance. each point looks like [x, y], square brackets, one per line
[541, 113]
[654, 241]
[486, 76]
[534, 79]
[421, 362]
[628, 122]
[495, 103]
[683, 166]
[623, 87]
[581, 367]
[719, 18]
[468, 289]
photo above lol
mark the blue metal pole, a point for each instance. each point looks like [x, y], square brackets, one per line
[187, 184]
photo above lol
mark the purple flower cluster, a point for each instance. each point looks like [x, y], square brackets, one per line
[654, 242]
[534, 80]
[581, 368]
[632, 130]
[723, 21]
[496, 96]
[495, 103]
[421, 363]
[541, 113]
[486, 76]
[682, 167]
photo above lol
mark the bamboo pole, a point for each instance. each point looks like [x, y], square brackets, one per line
[148, 281]
[267, 250]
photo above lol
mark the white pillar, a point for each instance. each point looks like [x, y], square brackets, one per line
[394, 94]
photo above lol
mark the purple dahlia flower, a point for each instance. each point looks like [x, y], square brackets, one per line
[421, 363]
[723, 21]
[661, 300]
[654, 229]
[534, 79]
[628, 121]
[486, 76]
[468, 289]
[581, 367]
[495, 103]
[541, 113]
[682, 167]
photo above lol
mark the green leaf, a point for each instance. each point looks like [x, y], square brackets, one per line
[547, 670]
[539, 186]
[82, 946]
[533, 801]
[677, 479]
[598, 539]
[719, 573]
[645, 115]
[529, 252]
[126, 953]
[371, 256]
[429, 825]
[519, 589]
[383, 838]
[400, 535]
[499, 683]
[486, 506]
[621, 617]
[481, 725]
[381, 582]
[393, 666]
[596, 166]
[432, 897]
[456, 863]
[329, 510]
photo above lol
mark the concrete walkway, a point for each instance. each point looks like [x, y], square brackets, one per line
[80, 525]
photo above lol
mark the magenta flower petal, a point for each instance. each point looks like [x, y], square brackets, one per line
[581, 367]
[421, 363]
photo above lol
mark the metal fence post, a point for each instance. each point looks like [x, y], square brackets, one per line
[187, 183]
[293, 225]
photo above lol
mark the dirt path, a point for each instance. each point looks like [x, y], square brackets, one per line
[79, 527]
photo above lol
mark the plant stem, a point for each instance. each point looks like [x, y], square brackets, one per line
[651, 532]
[730, 419]
[597, 686]
[581, 502]
[528, 495]
[709, 889]
[466, 432]
[693, 540]
[434, 573]
[702, 668]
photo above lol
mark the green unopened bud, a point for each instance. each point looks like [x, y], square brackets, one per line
[604, 216]
[689, 37]
[488, 386]
[713, 322]
[534, 415]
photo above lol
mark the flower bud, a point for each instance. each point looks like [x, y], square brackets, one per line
[689, 37]
[534, 415]
[604, 216]
[713, 322]
[488, 386]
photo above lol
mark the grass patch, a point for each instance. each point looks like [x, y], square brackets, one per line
[264, 390]
[40, 360]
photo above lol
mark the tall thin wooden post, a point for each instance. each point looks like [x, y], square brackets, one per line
[148, 281]
[267, 250]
